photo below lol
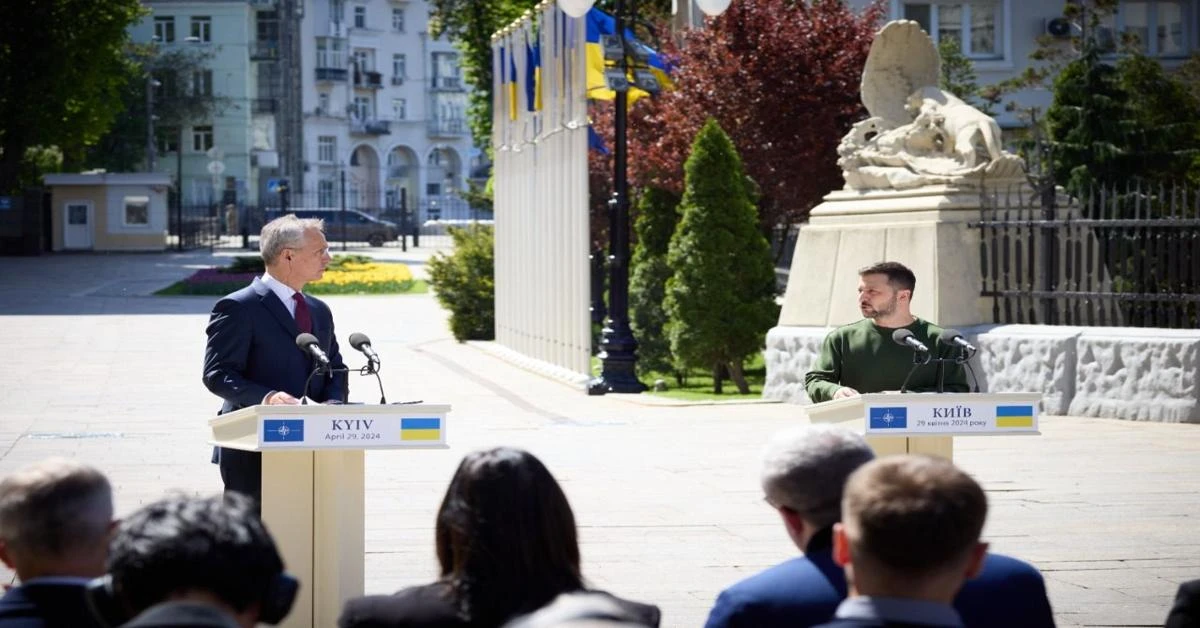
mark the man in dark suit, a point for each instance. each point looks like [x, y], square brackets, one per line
[55, 522]
[187, 561]
[252, 357]
[908, 539]
[803, 476]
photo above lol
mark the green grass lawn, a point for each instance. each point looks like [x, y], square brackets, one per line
[698, 385]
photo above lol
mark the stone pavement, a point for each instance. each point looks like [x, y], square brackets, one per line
[666, 496]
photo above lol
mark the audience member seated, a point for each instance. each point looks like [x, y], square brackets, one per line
[506, 543]
[1185, 612]
[199, 562]
[581, 609]
[908, 539]
[804, 472]
[56, 517]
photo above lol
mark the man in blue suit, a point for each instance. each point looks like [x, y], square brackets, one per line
[252, 357]
[56, 518]
[804, 472]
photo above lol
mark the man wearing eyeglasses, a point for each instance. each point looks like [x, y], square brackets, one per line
[252, 357]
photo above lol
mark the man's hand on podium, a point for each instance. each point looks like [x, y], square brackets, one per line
[280, 398]
[844, 392]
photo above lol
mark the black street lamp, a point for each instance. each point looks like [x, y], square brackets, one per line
[618, 347]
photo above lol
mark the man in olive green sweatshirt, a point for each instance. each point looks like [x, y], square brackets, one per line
[862, 357]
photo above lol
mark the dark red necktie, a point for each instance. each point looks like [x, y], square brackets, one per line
[303, 317]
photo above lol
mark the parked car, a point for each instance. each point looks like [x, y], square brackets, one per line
[360, 227]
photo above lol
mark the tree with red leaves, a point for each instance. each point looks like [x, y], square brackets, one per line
[780, 76]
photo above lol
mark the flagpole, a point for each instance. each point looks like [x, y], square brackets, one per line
[618, 347]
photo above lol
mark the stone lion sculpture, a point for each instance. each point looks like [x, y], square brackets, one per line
[917, 134]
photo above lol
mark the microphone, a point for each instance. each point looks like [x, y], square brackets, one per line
[360, 342]
[308, 343]
[906, 338]
[954, 338]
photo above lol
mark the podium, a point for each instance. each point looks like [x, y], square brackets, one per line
[926, 423]
[312, 486]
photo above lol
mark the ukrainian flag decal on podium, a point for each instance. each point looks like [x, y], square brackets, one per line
[421, 429]
[1014, 416]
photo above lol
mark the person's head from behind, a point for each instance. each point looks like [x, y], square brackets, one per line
[804, 470]
[580, 609]
[211, 550]
[885, 290]
[506, 538]
[56, 517]
[294, 249]
[910, 528]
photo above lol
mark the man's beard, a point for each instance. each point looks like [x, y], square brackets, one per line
[887, 310]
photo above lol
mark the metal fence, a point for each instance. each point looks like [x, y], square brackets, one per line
[238, 226]
[1119, 256]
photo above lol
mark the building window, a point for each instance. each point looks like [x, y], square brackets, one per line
[325, 193]
[976, 26]
[202, 138]
[137, 211]
[202, 28]
[202, 83]
[168, 138]
[327, 149]
[323, 103]
[331, 53]
[364, 61]
[77, 213]
[362, 108]
[1154, 28]
[399, 108]
[446, 71]
[399, 69]
[360, 17]
[164, 29]
[398, 19]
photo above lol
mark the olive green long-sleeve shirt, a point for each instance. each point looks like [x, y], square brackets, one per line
[864, 357]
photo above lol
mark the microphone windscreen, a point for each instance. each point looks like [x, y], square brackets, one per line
[900, 335]
[304, 341]
[948, 336]
[358, 340]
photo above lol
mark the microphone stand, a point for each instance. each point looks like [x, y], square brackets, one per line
[373, 369]
[919, 359]
[318, 369]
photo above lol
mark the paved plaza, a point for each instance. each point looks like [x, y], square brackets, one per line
[666, 495]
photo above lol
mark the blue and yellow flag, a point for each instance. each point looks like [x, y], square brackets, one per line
[533, 76]
[511, 74]
[595, 142]
[599, 24]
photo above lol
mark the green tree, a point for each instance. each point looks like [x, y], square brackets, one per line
[1087, 123]
[656, 218]
[958, 75]
[62, 66]
[720, 301]
[465, 283]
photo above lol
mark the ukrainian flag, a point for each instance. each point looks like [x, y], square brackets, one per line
[533, 76]
[1014, 416]
[600, 23]
[421, 429]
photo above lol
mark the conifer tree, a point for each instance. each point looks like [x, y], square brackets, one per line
[720, 300]
[657, 215]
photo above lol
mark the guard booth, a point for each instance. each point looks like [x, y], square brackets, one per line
[108, 211]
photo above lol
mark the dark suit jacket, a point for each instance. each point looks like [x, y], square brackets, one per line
[58, 603]
[428, 607]
[252, 352]
[181, 615]
[1185, 612]
[806, 591]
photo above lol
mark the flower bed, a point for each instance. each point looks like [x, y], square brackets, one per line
[346, 274]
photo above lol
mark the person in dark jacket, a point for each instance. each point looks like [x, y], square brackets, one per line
[506, 543]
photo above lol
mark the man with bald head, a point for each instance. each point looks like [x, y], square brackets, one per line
[56, 518]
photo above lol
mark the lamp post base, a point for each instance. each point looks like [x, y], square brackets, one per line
[618, 374]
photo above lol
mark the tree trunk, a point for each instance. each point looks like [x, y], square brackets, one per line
[735, 373]
[717, 377]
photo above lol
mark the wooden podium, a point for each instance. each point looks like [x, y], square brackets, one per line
[926, 423]
[312, 486]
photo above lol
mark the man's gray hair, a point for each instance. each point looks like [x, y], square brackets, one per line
[55, 508]
[805, 469]
[285, 232]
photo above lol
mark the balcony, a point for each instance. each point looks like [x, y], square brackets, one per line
[397, 80]
[448, 127]
[264, 105]
[449, 83]
[370, 127]
[368, 80]
[264, 50]
[331, 74]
